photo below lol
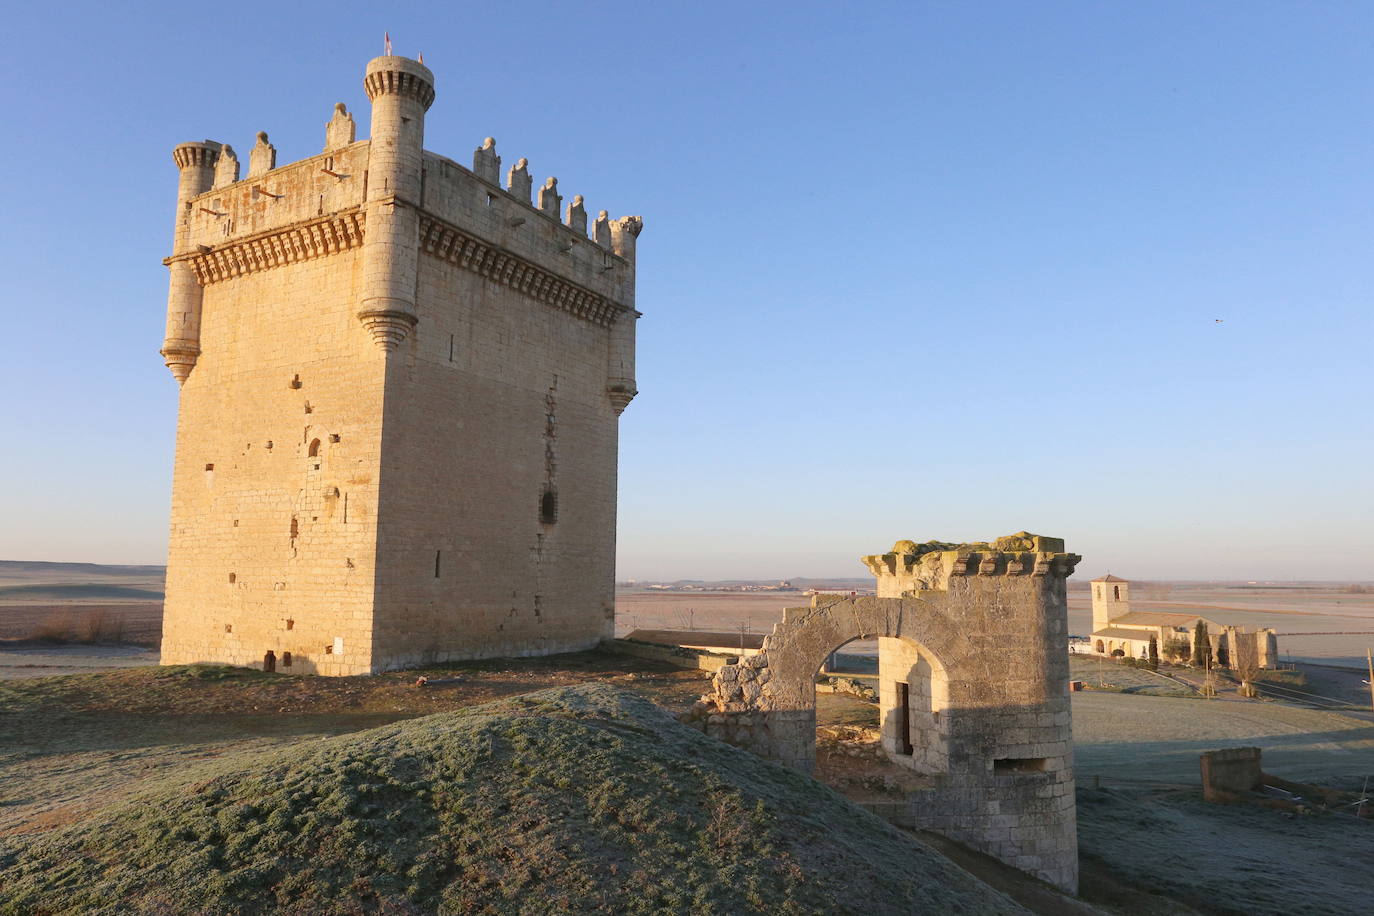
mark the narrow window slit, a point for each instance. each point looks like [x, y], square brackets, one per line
[1019, 764]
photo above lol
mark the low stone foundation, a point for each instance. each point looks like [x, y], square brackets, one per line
[1229, 771]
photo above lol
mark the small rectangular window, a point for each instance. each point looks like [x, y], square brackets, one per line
[1019, 764]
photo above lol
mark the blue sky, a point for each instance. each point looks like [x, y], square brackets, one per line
[927, 270]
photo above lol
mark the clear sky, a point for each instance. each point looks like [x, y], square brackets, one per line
[916, 270]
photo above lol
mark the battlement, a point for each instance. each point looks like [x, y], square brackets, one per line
[910, 567]
[229, 226]
[233, 228]
[252, 208]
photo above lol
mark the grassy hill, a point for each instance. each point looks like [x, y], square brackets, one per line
[570, 800]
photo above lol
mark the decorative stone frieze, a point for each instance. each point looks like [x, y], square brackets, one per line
[329, 235]
[449, 243]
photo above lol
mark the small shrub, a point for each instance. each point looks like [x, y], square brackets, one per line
[57, 627]
[97, 625]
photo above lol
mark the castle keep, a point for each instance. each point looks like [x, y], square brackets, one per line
[400, 392]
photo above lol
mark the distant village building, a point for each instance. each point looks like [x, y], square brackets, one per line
[1117, 627]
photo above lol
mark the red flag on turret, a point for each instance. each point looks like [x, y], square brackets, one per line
[387, 35]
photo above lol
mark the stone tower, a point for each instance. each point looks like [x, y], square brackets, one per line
[1111, 599]
[400, 392]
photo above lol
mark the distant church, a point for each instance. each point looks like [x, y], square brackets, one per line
[1117, 628]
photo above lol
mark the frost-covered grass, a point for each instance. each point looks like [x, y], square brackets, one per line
[1227, 859]
[569, 800]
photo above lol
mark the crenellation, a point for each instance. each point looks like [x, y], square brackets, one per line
[550, 201]
[226, 168]
[576, 217]
[307, 190]
[341, 130]
[519, 182]
[263, 157]
[486, 164]
[499, 225]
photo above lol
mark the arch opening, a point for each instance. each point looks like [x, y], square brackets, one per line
[912, 714]
[314, 448]
[269, 661]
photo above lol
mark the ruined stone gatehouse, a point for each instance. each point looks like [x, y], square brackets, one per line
[973, 691]
[400, 391]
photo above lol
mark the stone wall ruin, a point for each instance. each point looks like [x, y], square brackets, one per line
[972, 645]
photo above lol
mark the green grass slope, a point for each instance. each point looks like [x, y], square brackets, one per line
[570, 800]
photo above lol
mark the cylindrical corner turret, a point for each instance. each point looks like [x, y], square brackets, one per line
[401, 91]
[181, 345]
[620, 380]
[624, 231]
[196, 163]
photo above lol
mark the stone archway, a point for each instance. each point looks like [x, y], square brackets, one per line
[994, 619]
